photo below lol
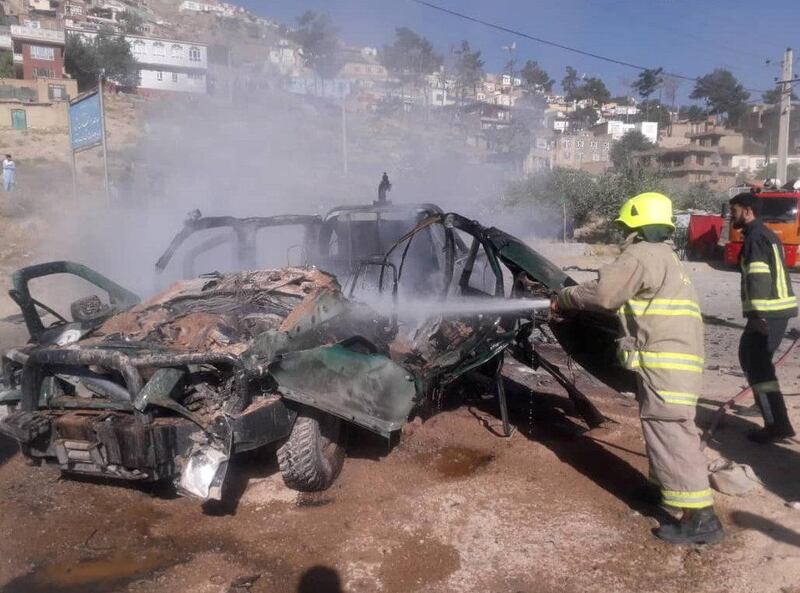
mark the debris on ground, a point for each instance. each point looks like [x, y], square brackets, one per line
[733, 479]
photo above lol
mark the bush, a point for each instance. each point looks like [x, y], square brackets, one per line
[585, 196]
[593, 199]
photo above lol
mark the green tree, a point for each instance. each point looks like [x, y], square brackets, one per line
[653, 110]
[583, 117]
[411, 57]
[622, 151]
[570, 84]
[6, 64]
[585, 196]
[319, 43]
[535, 77]
[513, 142]
[468, 69]
[647, 82]
[132, 22]
[693, 113]
[773, 96]
[580, 89]
[595, 90]
[723, 93]
[84, 59]
[697, 196]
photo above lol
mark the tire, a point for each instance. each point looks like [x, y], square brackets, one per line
[312, 457]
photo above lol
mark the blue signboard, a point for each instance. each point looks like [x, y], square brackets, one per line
[86, 122]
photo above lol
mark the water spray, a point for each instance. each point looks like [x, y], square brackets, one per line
[413, 307]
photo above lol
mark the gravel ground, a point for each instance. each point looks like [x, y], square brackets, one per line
[452, 508]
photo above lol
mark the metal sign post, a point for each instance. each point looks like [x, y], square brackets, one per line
[103, 133]
[74, 164]
[87, 130]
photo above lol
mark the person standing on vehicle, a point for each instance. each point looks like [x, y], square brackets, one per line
[663, 344]
[9, 173]
[768, 303]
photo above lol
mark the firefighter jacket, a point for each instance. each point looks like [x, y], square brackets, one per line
[766, 288]
[660, 318]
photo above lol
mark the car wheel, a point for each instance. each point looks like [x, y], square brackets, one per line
[312, 457]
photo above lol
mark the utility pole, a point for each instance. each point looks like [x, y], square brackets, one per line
[786, 108]
[103, 129]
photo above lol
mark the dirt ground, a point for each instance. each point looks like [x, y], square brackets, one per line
[452, 508]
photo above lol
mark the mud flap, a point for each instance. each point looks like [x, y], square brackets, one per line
[348, 381]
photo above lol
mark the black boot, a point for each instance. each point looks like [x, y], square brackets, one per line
[697, 526]
[780, 427]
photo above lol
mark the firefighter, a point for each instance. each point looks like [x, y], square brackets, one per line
[768, 303]
[663, 344]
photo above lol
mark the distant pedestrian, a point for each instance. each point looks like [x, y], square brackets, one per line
[9, 173]
[768, 303]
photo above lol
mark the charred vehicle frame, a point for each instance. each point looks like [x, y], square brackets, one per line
[224, 363]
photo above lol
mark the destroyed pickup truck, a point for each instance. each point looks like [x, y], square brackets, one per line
[171, 388]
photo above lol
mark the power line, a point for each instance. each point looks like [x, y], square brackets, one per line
[589, 54]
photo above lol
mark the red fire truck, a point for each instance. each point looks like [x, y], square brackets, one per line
[779, 210]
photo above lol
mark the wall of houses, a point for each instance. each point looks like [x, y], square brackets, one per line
[167, 65]
[42, 90]
[172, 81]
[38, 116]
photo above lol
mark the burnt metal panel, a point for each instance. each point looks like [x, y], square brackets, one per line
[267, 420]
[367, 389]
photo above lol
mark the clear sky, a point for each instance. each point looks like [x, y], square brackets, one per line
[691, 37]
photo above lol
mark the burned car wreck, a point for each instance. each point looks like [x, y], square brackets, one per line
[171, 388]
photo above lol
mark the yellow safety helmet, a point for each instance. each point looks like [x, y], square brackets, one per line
[646, 208]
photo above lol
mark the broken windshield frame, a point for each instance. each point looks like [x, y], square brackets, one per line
[243, 237]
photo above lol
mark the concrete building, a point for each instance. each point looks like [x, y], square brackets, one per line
[691, 163]
[677, 133]
[166, 65]
[220, 9]
[749, 164]
[36, 104]
[336, 88]
[709, 134]
[440, 90]
[39, 90]
[5, 40]
[540, 156]
[44, 7]
[617, 129]
[77, 10]
[22, 115]
[585, 150]
[287, 59]
[361, 66]
[38, 52]
[169, 65]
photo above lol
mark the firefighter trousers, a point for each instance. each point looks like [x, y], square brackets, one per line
[756, 350]
[677, 464]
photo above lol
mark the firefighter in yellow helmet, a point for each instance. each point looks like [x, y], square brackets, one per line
[662, 343]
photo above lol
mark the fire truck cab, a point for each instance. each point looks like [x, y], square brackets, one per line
[780, 211]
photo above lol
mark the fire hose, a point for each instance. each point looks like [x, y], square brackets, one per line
[723, 408]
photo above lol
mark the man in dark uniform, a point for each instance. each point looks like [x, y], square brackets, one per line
[768, 303]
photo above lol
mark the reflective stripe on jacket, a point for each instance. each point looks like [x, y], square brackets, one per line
[766, 288]
[660, 316]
